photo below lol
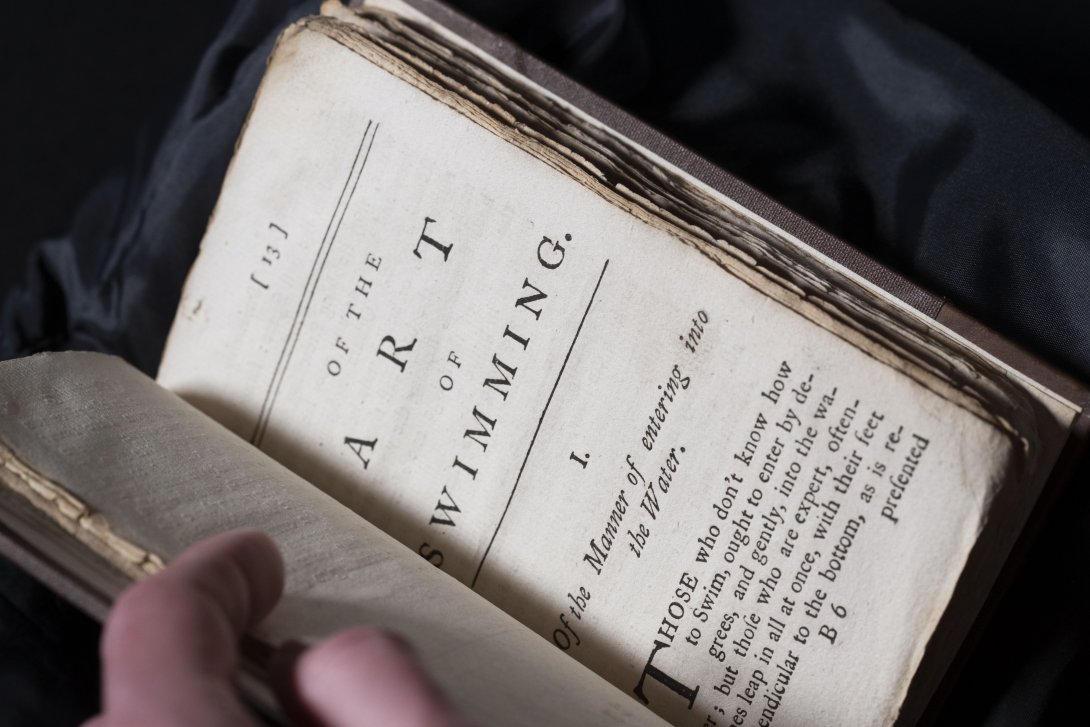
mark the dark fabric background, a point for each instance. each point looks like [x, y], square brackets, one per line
[948, 139]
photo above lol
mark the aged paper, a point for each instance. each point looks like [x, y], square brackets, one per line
[165, 476]
[732, 514]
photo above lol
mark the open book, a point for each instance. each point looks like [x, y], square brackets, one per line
[605, 445]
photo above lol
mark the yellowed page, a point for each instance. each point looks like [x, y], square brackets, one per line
[731, 513]
[163, 476]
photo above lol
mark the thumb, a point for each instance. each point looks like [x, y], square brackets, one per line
[170, 645]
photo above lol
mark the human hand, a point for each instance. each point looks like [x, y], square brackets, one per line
[170, 652]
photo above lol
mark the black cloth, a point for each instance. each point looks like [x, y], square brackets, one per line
[869, 123]
[112, 284]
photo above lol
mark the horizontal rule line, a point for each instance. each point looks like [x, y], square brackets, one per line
[311, 285]
[540, 420]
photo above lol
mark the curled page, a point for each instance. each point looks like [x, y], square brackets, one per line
[163, 476]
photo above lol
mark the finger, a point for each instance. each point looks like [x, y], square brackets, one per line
[170, 647]
[366, 677]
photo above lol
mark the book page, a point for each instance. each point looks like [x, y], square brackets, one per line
[100, 446]
[734, 515]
